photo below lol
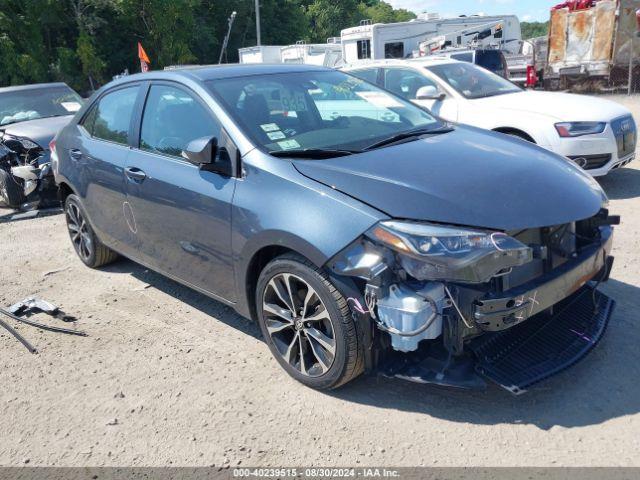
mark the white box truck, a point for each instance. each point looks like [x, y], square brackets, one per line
[260, 54]
[325, 54]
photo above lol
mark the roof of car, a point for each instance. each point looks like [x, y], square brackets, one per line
[216, 72]
[430, 60]
[34, 86]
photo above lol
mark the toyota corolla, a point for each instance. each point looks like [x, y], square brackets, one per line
[381, 240]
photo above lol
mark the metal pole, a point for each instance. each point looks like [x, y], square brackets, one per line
[226, 37]
[631, 66]
[258, 36]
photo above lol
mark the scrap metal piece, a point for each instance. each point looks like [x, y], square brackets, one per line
[19, 337]
[42, 325]
[33, 303]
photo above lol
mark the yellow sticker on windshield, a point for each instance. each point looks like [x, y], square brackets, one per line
[288, 144]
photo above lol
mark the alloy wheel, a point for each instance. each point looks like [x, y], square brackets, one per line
[79, 232]
[299, 324]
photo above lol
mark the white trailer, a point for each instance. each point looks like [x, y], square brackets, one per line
[400, 40]
[260, 54]
[325, 54]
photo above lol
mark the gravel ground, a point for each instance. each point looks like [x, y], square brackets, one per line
[169, 377]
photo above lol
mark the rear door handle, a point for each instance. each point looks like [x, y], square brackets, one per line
[135, 174]
[75, 154]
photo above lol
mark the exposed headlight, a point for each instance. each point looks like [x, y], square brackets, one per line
[433, 252]
[577, 129]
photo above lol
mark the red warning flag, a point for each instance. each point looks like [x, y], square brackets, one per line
[144, 59]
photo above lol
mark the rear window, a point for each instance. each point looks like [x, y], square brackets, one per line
[492, 60]
[463, 57]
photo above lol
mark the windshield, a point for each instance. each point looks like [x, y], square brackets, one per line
[21, 105]
[327, 110]
[472, 81]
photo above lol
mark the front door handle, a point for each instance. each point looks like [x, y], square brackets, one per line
[135, 174]
[75, 154]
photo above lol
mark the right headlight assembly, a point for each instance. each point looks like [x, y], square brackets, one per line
[435, 252]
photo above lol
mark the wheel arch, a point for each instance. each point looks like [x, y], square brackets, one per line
[516, 132]
[64, 190]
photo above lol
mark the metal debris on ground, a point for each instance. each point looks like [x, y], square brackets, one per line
[21, 311]
[22, 215]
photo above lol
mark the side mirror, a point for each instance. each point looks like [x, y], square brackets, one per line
[201, 151]
[429, 92]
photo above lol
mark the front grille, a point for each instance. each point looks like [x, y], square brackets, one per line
[545, 344]
[626, 135]
[591, 162]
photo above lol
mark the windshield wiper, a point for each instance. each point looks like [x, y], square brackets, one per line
[313, 153]
[418, 132]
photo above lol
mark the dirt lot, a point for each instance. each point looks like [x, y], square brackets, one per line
[169, 377]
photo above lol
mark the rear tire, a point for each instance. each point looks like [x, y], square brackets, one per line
[309, 331]
[89, 248]
[10, 190]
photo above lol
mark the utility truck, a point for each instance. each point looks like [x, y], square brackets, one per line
[594, 48]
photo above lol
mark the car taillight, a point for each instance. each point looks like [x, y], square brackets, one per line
[52, 145]
[532, 76]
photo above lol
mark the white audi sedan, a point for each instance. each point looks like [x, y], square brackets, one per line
[597, 134]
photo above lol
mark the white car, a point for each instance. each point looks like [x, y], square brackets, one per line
[599, 135]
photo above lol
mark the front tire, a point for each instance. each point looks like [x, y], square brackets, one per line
[10, 190]
[91, 251]
[307, 323]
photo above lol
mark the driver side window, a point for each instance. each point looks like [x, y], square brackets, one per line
[405, 82]
[172, 119]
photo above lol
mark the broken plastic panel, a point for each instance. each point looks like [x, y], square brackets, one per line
[432, 252]
[360, 259]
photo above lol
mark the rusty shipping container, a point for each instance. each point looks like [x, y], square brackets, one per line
[593, 47]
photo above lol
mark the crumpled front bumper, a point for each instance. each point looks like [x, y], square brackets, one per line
[526, 341]
[545, 345]
[500, 312]
[521, 356]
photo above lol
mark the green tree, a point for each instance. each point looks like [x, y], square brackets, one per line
[382, 12]
[86, 42]
[327, 17]
[534, 29]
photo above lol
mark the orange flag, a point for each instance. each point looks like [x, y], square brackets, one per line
[144, 58]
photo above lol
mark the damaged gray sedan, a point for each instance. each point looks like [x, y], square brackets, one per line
[361, 232]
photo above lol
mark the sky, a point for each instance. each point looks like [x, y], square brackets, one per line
[526, 10]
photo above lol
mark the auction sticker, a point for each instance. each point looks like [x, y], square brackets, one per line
[288, 144]
[71, 106]
[276, 135]
[270, 127]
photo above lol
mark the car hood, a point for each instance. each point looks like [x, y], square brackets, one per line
[563, 107]
[40, 131]
[466, 177]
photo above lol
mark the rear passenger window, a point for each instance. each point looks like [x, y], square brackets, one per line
[110, 118]
[172, 119]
